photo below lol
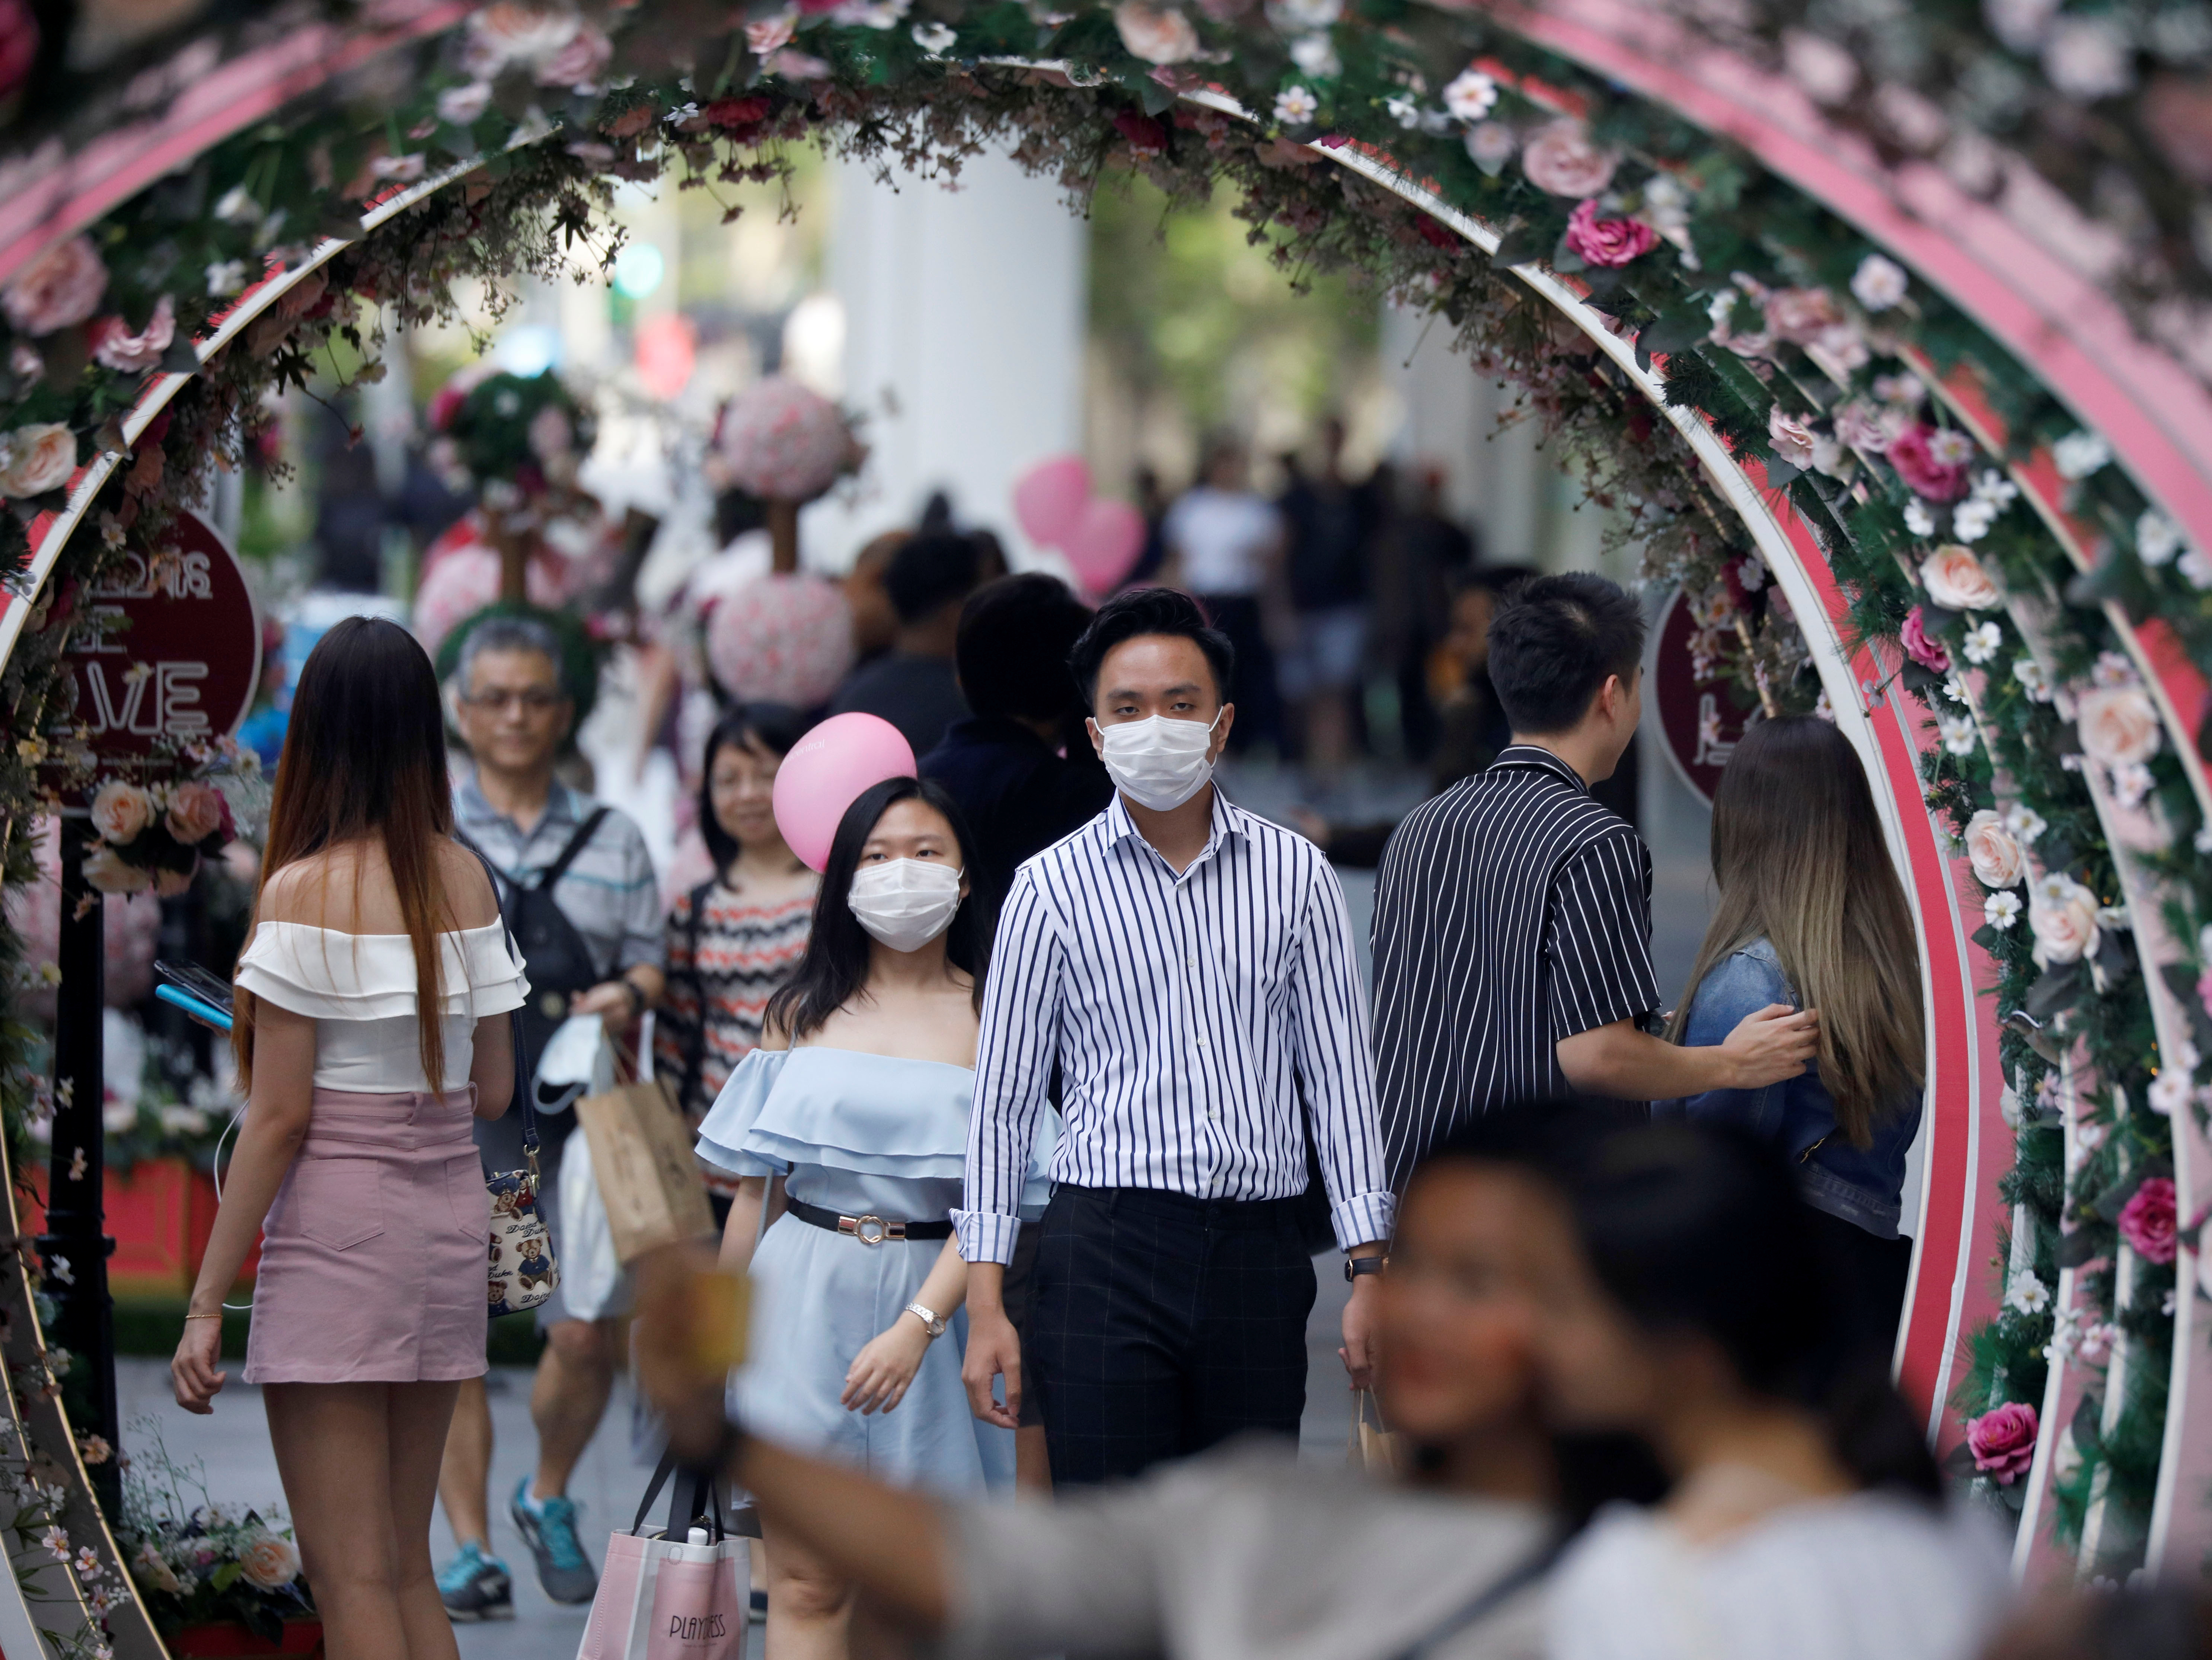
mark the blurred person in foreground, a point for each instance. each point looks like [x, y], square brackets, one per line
[1806, 1519]
[1224, 544]
[1021, 767]
[1246, 1551]
[2168, 1621]
[1811, 914]
[913, 685]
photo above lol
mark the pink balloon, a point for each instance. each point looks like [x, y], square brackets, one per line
[1050, 498]
[1104, 545]
[826, 772]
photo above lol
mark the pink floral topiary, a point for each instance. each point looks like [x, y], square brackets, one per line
[1910, 454]
[1929, 654]
[782, 639]
[2003, 1441]
[1608, 241]
[782, 442]
[2148, 1222]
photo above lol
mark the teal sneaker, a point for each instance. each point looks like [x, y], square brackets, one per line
[475, 1586]
[548, 1526]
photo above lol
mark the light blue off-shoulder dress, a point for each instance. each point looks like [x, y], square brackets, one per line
[860, 1134]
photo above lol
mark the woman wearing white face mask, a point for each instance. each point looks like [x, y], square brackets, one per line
[850, 1122]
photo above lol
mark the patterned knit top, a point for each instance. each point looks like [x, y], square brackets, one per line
[745, 950]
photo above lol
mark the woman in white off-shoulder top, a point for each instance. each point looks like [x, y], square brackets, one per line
[355, 1160]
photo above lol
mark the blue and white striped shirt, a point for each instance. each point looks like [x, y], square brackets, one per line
[1184, 1011]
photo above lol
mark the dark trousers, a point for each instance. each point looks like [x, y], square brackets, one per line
[1163, 1324]
[1866, 1277]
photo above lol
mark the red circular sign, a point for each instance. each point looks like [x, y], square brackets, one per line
[1698, 715]
[167, 648]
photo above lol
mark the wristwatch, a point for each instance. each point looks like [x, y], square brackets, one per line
[1356, 1266]
[932, 1322]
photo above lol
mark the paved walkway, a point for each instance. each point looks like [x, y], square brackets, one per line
[241, 1470]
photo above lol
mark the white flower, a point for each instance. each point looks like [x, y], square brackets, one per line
[2025, 823]
[2062, 914]
[1752, 574]
[1958, 733]
[1315, 56]
[2117, 723]
[1994, 851]
[1404, 111]
[1983, 640]
[1491, 145]
[2088, 58]
[2098, 1340]
[226, 277]
[2027, 1295]
[2112, 669]
[56, 1543]
[2001, 910]
[236, 206]
[2131, 783]
[87, 1563]
[462, 105]
[1954, 688]
[1994, 487]
[935, 39]
[1824, 708]
[1158, 34]
[2077, 455]
[1950, 447]
[2029, 673]
[2090, 1135]
[1295, 107]
[1970, 520]
[1918, 519]
[2157, 539]
[1294, 16]
[1900, 389]
[1470, 94]
[1879, 283]
[2196, 568]
[2168, 1091]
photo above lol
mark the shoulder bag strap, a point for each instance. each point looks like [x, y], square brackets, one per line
[694, 1059]
[566, 855]
[1524, 1573]
[514, 1016]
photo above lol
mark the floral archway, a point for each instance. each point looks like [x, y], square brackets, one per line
[1818, 339]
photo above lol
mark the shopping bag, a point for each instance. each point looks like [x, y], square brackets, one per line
[642, 1153]
[593, 1284]
[1374, 1449]
[662, 1599]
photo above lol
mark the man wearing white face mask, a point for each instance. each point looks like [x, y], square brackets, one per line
[1188, 966]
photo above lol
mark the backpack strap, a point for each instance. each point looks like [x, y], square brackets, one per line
[694, 1059]
[567, 857]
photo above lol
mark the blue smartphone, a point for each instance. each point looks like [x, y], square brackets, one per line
[205, 1013]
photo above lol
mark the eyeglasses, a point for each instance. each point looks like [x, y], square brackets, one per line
[532, 700]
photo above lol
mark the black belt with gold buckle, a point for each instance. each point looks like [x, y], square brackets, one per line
[870, 1230]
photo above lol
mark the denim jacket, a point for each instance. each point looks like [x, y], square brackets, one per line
[1863, 1187]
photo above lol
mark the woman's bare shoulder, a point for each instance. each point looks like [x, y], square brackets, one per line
[349, 888]
[468, 885]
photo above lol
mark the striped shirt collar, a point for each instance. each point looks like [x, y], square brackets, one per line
[563, 806]
[1227, 820]
[1531, 754]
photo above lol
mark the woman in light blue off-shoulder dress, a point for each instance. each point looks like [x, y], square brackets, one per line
[850, 1124]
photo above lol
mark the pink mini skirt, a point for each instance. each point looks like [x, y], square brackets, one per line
[375, 1257]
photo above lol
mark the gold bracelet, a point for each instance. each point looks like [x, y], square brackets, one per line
[203, 1316]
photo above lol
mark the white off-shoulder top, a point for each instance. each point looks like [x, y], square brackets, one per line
[359, 990]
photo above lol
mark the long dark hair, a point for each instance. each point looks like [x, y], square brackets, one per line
[1799, 858]
[1699, 1228]
[835, 966]
[364, 759]
[776, 727]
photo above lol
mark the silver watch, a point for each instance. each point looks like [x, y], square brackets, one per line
[931, 1320]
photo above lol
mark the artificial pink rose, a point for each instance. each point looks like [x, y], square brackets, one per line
[1608, 241]
[2061, 914]
[120, 811]
[1954, 579]
[1563, 159]
[195, 812]
[1146, 136]
[61, 287]
[1993, 851]
[1158, 34]
[2118, 725]
[1860, 426]
[508, 33]
[269, 1562]
[1792, 438]
[2003, 1441]
[110, 873]
[1929, 654]
[765, 36]
[2147, 1221]
[35, 459]
[115, 346]
[1802, 315]
[580, 62]
[1917, 466]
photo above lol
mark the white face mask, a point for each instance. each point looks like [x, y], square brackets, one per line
[1157, 762]
[905, 903]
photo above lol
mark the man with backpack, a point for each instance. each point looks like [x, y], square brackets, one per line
[576, 886]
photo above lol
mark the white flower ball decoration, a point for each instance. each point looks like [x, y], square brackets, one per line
[782, 442]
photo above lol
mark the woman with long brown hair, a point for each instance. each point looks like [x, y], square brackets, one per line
[1811, 914]
[354, 1159]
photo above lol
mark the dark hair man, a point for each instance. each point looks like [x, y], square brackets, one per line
[911, 685]
[1188, 969]
[1513, 912]
[1003, 764]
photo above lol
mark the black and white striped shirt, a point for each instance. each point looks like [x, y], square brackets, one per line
[1510, 912]
[1184, 1011]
